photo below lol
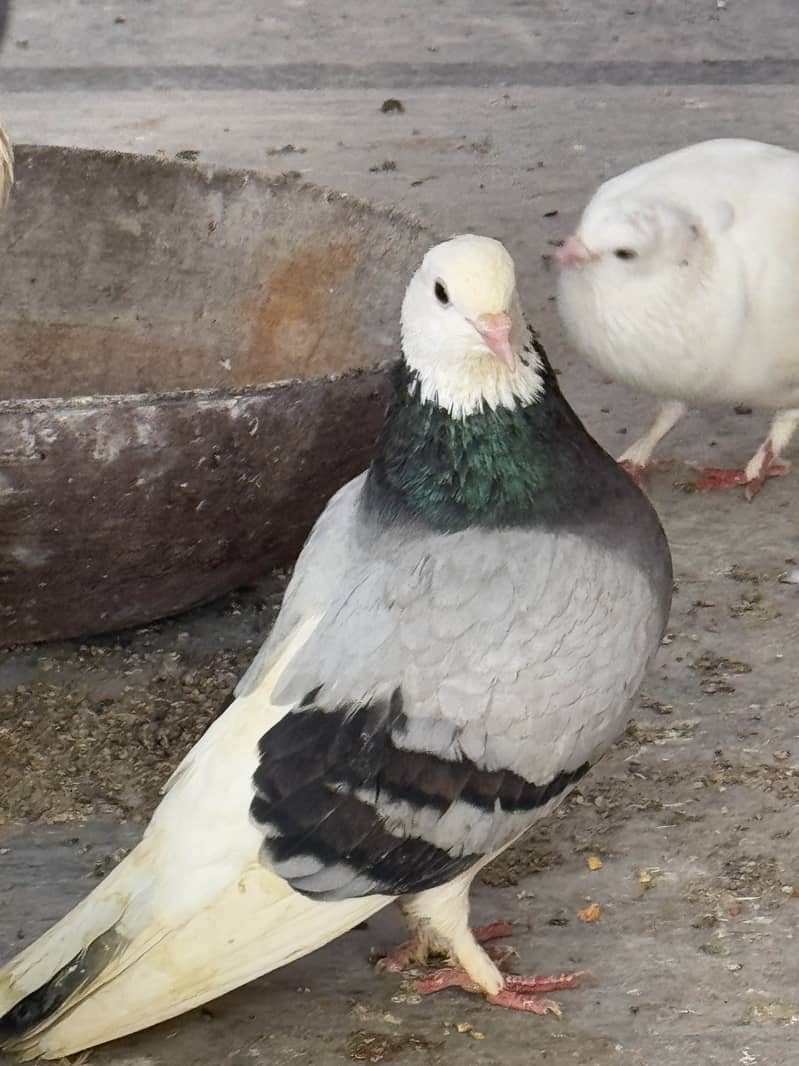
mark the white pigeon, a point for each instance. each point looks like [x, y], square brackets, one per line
[464, 634]
[682, 280]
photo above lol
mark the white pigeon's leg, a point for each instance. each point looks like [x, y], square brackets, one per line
[444, 911]
[765, 463]
[636, 459]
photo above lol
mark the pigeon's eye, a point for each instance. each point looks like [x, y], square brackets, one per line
[625, 253]
[441, 294]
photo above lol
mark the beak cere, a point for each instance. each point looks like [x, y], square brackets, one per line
[573, 253]
[495, 331]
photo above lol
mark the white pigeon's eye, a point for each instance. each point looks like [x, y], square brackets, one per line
[441, 293]
[625, 253]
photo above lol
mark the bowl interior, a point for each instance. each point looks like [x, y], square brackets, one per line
[124, 274]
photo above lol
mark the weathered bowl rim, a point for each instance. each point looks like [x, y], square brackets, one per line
[38, 404]
[208, 171]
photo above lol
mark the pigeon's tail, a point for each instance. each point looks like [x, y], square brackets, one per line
[6, 167]
[189, 915]
[89, 980]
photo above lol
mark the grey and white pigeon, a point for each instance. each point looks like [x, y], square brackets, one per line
[464, 634]
[681, 280]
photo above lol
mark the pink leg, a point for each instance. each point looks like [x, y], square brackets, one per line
[409, 953]
[519, 993]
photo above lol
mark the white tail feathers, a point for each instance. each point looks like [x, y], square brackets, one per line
[34, 966]
[254, 926]
[189, 915]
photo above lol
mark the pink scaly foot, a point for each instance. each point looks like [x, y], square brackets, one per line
[717, 477]
[714, 477]
[518, 993]
[770, 467]
[408, 953]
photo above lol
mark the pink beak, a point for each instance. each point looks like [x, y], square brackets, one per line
[573, 253]
[495, 331]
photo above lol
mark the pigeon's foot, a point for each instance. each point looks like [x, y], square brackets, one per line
[638, 471]
[762, 466]
[517, 993]
[717, 477]
[419, 949]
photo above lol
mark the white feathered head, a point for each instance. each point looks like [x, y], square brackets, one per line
[627, 237]
[463, 331]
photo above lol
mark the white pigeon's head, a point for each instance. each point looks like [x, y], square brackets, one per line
[463, 331]
[625, 238]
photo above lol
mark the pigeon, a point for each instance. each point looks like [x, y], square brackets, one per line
[681, 280]
[462, 638]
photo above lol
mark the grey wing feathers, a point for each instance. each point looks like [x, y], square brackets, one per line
[318, 575]
[453, 687]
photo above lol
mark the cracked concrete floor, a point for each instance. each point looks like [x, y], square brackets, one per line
[510, 115]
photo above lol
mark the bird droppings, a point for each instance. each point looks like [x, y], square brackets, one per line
[661, 734]
[713, 686]
[767, 1012]
[753, 607]
[740, 573]
[364, 1014]
[656, 706]
[286, 149]
[710, 663]
[366, 1046]
[392, 106]
[386, 165]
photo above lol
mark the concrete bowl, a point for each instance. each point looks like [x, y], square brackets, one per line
[192, 361]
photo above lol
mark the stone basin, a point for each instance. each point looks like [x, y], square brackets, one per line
[192, 361]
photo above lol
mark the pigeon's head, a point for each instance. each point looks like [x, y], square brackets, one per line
[628, 238]
[463, 332]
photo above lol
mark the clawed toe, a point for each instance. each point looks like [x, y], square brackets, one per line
[518, 992]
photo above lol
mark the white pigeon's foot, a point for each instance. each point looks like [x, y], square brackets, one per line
[517, 993]
[419, 948]
[761, 466]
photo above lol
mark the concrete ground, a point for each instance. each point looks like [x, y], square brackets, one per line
[511, 116]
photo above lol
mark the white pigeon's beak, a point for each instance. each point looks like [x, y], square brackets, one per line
[574, 253]
[495, 331]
